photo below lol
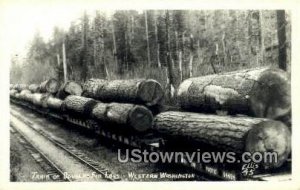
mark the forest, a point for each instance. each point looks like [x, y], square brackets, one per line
[166, 45]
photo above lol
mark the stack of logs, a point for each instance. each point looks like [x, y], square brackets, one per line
[120, 104]
[252, 103]
[262, 93]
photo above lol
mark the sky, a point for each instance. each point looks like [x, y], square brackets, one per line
[21, 27]
[22, 21]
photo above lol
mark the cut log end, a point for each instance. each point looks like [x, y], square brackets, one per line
[50, 86]
[271, 95]
[150, 92]
[69, 88]
[270, 136]
[140, 118]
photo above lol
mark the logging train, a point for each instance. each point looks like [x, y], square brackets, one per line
[122, 110]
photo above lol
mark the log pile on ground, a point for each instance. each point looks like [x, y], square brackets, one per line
[69, 88]
[49, 86]
[238, 134]
[137, 91]
[260, 92]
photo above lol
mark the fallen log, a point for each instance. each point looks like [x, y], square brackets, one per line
[49, 86]
[54, 103]
[130, 116]
[69, 88]
[138, 91]
[237, 134]
[260, 92]
[34, 88]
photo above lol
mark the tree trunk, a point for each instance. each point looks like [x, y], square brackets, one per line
[40, 99]
[140, 91]
[12, 93]
[78, 105]
[20, 87]
[26, 95]
[261, 92]
[54, 103]
[237, 134]
[157, 44]
[168, 58]
[34, 88]
[281, 39]
[49, 86]
[147, 38]
[69, 88]
[127, 116]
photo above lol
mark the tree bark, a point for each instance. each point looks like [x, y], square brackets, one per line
[147, 38]
[140, 91]
[26, 95]
[157, 43]
[126, 116]
[69, 88]
[78, 105]
[281, 39]
[49, 86]
[40, 100]
[261, 92]
[54, 103]
[34, 88]
[20, 87]
[237, 134]
[168, 54]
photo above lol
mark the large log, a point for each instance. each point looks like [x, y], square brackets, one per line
[261, 92]
[78, 105]
[139, 91]
[54, 103]
[69, 88]
[130, 116]
[12, 92]
[25, 95]
[39, 99]
[238, 134]
[34, 88]
[20, 87]
[49, 86]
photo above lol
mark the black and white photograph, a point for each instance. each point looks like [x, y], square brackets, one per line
[150, 95]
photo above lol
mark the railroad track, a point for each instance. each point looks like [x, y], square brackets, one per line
[205, 171]
[72, 151]
[52, 171]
